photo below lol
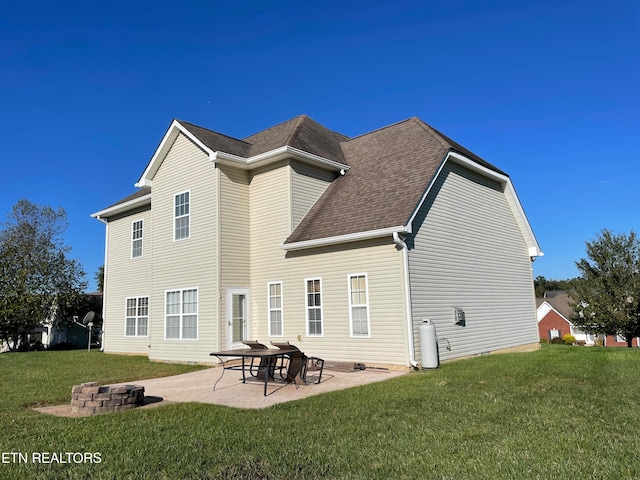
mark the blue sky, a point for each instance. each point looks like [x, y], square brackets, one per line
[547, 91]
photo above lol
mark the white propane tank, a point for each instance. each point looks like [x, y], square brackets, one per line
[429, 355]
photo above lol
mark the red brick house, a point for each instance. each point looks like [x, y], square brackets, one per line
[554, 311]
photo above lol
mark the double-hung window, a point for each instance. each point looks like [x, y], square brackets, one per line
[359, 305]
[275, 309]
[137, 317]
[181, 314]
[181, 215]
[314, 306]
[136, 239]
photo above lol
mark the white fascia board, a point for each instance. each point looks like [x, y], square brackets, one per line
[523, 222]
[351, 237]
[510, 193]
[542, 310]
[122, 207]
[167, 141]
[316, 159]
[229, 159]
[275, 155]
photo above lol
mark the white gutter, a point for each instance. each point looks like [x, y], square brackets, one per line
[407, 296]
[280, 153]
[350, 237]
[122, 207]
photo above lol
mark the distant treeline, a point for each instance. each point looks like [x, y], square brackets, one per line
[542, 285]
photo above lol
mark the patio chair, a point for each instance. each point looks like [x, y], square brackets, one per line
[300, 364]
[316, 365]
[284, 361]
[259, 370]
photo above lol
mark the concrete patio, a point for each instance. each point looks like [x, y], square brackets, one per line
[230, 391]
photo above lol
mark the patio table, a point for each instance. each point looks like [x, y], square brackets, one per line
[268, 359]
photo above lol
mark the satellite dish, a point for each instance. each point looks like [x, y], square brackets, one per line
[88, 318]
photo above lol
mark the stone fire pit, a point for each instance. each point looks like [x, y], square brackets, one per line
[91, 398]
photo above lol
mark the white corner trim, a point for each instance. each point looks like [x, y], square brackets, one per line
[351, 237]
[122, 207]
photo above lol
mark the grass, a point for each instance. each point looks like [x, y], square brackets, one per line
[560, 412]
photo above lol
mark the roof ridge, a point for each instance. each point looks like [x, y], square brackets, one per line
[432, 132]
[212, 131]
[378, 129]
[296, 129]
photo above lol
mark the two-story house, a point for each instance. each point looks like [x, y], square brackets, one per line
[340, 245]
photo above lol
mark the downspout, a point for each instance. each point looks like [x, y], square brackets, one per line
[104, 280]
[407, 296]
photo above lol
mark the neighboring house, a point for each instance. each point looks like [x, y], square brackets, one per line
[53, 331]
[554, 312]
[340, 245]
[618, 341]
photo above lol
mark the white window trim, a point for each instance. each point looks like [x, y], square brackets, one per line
[231, 291]
[141, 239]
[188, 215]
[306, 308]
[181, 339]
[137, 298]
[351, 305]
[281, 309]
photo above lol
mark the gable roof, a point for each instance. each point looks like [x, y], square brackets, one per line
[386, 173]
[390, 169]
[543, 310]
[559, 300]
[302, 133]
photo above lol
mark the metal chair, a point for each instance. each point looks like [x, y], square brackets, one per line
[299, 364]
[262, 367]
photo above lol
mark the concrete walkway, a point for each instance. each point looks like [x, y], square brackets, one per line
[230, 391]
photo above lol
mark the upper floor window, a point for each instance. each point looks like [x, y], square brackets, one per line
[136, 239]
[359, 305]
[314, 306]
[275, 309]
[181, 216]
[137, 317]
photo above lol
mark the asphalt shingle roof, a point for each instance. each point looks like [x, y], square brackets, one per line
[390, 169]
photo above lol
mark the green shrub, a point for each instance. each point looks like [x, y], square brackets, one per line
[544, 340]
[568, 339]
[556, 341]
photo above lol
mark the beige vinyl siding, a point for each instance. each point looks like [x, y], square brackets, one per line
[188, 263]
[234, 236]
[379, 259]
[125, 277]
[307, 184]
[467, 252]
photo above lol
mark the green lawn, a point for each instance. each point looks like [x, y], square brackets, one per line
[560, 412]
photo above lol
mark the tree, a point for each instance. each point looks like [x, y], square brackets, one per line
[38, 280]
[99, 277]
[542, 285]
[607, 295]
